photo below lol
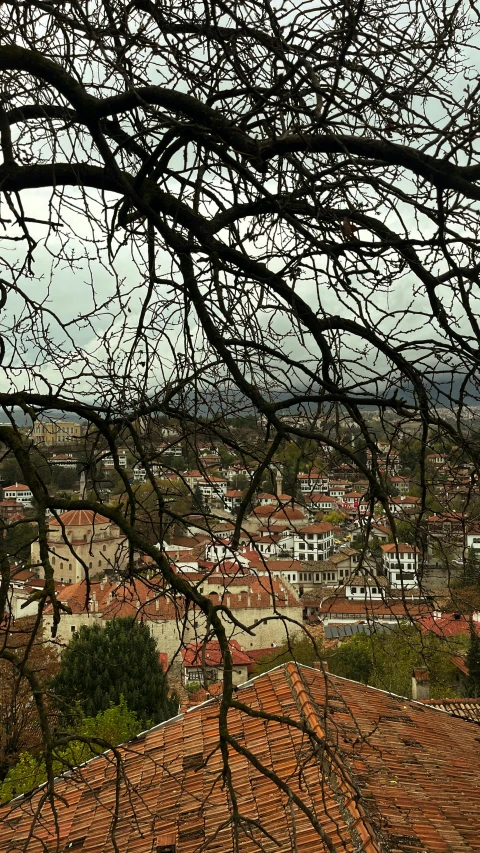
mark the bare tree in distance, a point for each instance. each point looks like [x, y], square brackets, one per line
[257, 211]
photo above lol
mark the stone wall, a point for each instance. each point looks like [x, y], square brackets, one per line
[260, 628]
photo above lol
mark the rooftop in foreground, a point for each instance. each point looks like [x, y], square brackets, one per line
[396, 776]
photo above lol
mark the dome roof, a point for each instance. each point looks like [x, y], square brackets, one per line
[79, 518]
[288, 512]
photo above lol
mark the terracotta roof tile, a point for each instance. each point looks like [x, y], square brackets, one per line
[467, 709]
[79, 518]
[210, 654]
[397, 776]
[319, 527]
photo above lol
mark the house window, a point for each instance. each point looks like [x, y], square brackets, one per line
[52, 561]
[317, 577]
[61, 566]
[354, 590]
[99, 564]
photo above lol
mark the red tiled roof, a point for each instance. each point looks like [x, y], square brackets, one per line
[320, 498]
[319, 527]
[263, 511]
[397, 776]
[148, 601]
[460, 662]
[454, 517]
[289, 513]
[284, 565]
[381, 527]
[79, 518]
[447, 625]
[210, 654]
[402, 548]
[467, 709]
[18, 487]
[368, 609]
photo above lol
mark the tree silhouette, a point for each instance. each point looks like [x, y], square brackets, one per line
[102, 665]
[256, 222]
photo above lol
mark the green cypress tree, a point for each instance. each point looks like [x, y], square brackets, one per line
[473, 664]
[100, 665]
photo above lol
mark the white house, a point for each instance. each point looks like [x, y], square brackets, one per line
[265, 545]
[19, 492]
[64, 460]
[232, 500]
[218, 552]
[320, 503]
[174, 449]
[404, 504]
[400, 563]
[213, 487]
[473, 541]
[203, 663]
[338, 490]
[361, 587]
[264, 499]
[314, 482]
[313, 542]
[140, 475]
[402, 484]
[108, 461]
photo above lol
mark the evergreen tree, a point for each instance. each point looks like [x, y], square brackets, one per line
[198, 502]
[473, 664]
[471, 569]
[100, 665]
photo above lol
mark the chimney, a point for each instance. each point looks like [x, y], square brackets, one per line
[322, 665]
[420, 684]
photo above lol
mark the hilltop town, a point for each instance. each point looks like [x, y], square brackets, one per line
[307, 546]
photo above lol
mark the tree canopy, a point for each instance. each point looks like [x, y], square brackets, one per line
[100, 665]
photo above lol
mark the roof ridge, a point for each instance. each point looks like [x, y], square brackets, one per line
[361, 823]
